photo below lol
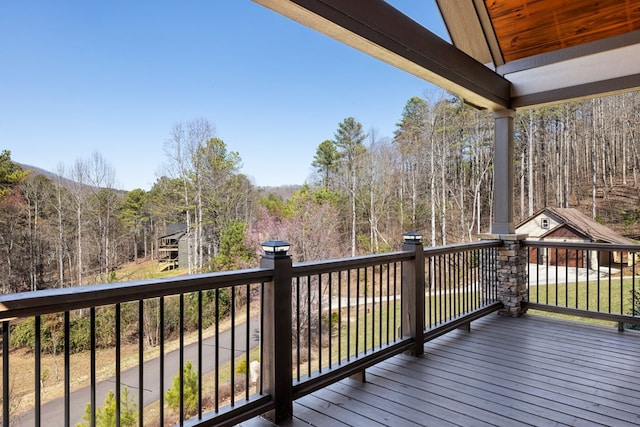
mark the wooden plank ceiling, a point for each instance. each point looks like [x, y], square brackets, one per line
[530, 27]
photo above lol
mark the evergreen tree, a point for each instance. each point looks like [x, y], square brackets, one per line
[189, 386]
[106, 414]
[11, 173]
[326, 160]
[349, 138]
[235, 253]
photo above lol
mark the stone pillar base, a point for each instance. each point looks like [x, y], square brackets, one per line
[511, 273]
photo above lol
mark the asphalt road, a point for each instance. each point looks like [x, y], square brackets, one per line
[53, 411]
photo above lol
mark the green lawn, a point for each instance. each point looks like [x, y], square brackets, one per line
[368, 328]
[607, 295]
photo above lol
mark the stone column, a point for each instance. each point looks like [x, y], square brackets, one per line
[511, 273]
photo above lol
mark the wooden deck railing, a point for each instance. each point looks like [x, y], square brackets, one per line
[308, 324]
[590, 280]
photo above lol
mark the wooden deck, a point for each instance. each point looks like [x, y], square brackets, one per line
[505, 372]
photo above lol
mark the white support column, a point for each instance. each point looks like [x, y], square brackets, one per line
[511, 260]
[503, 173]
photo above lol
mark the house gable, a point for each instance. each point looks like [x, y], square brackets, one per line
[565, 232]
[539, 224]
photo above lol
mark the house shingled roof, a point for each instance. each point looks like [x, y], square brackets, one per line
[176, 230]
[588, 226]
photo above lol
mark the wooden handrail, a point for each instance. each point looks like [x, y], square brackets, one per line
[47, 301]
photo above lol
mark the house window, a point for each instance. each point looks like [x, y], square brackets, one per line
[544, 223]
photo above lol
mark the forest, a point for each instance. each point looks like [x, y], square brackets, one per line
[434, 175]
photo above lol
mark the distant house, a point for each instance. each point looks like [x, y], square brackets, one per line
[172, 248]
[570, 225]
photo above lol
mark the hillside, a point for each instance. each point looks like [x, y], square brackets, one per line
[65, 182]
[619, 208]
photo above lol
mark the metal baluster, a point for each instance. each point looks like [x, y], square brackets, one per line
[141, 362]
[93, 397]
[5, 373]
[38, 371]
[339, 318]
[298, 327]
[309, 325]
[200, 365]
[348, 315]
[366, 315]
[260, 343]
[319, 294]
[330, 316]
[181, 357]
[233, 345]
[247, 345]
[118, 375]
[217, 352]
[161, 343]
[67, 370]
[357, 310]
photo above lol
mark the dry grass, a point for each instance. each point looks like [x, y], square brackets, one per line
[143, 269]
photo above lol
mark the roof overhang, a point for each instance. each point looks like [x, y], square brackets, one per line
[598, 68]
[378, 29]
[551, 51]
[591, 62]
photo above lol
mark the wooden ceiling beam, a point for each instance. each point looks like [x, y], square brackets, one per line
[378, 29]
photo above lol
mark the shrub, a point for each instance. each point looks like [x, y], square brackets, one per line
[106, 414]
[635, 310]
[22, 334]
[241, 367]
[189, 390]
[80, 332]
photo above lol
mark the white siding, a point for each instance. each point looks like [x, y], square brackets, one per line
[533, 227]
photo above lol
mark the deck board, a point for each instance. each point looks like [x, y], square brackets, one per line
[504, 372]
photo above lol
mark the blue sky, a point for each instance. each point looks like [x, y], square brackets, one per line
[114, 77]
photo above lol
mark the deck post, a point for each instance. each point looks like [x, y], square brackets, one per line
[276, 335]
[413, 288]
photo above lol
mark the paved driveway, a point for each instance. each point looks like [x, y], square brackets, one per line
[559, 274]
[53, 411]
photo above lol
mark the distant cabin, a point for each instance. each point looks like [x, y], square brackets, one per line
[570, 225]
[172, 248]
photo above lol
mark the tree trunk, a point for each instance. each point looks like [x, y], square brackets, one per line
[353, 213]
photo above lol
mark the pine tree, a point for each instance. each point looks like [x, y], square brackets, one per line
[189, 385]
[106, 414]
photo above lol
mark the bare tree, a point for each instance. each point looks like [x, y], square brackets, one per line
[182, 149]
[101, 177]
[59, 204]
[78, 176]
[379, 163]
